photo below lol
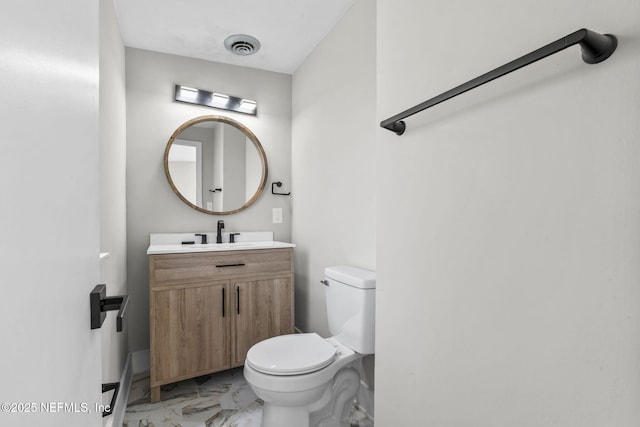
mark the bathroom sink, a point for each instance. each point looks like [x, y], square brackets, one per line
[171, 243]
[227, 246]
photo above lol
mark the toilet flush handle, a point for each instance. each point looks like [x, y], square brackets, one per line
[325, 282]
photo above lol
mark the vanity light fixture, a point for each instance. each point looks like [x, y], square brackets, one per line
[188, 92]
[248, 106]
[205, 98]
[220, 100]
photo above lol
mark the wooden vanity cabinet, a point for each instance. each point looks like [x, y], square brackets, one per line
[190, 333]
[208, 308]
[265, 310]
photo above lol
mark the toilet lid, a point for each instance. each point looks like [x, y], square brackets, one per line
[291, 354]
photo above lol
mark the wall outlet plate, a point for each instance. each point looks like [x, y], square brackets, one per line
[277, 215]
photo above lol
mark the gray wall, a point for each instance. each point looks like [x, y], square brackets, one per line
[152, 117]
[508, 235]
[113, 238]
[334, 161]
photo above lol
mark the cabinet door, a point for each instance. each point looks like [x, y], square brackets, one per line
[263, 309]
[189, 331]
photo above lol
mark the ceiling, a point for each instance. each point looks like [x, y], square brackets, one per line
[288, 30]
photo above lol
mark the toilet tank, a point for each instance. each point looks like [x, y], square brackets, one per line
[351, 301]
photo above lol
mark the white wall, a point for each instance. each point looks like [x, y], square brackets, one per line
[152, 117]
[49, 218]
[113, 238]
[185, 177]
[234, 181]
[508, 233]
[333, 166]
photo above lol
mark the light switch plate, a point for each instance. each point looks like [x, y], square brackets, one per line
[277, 215]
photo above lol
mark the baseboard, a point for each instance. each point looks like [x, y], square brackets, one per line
[116, 419]
[141, 361]
[364, 400]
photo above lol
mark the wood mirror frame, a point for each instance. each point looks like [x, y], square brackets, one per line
[246, 131]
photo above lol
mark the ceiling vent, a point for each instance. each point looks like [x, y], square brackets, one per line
[242, 44]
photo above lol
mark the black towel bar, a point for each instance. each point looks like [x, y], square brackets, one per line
[596, 48]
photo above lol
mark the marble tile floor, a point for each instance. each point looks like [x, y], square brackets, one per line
[222, 399]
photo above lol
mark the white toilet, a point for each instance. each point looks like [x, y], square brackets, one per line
[306, 380]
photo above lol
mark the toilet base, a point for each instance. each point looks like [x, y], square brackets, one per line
[330, 408]
[343, 392]
[284, 416]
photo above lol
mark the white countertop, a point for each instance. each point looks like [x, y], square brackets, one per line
[171, 243]
[213, 247]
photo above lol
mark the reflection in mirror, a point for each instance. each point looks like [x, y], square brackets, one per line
[216, 165]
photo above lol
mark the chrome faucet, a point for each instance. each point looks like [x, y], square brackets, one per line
[219, 235]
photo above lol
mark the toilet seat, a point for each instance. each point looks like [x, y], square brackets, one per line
[292, 354]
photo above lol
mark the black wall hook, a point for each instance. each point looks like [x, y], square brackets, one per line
[278, 184]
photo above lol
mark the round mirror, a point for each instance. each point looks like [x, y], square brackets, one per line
[215, 165]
